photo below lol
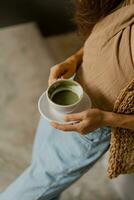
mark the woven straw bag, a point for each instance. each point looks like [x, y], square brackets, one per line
[121, 152]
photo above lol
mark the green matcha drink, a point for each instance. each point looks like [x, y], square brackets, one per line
[65, 97]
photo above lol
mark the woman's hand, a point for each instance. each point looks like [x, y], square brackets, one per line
[67, 68]
[63, 70]
[87, 121]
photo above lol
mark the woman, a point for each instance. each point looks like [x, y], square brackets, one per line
[63, 153]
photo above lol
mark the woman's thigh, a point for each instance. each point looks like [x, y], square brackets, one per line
[59, 151]
[65, 156]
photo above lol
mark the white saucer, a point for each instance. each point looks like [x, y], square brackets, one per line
[50, 114]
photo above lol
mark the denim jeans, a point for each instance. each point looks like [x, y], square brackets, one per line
[59, 159]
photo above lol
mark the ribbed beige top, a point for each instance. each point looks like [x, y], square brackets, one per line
[107, 62]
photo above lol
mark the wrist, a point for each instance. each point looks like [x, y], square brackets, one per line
[77, 57]
[72, 60]
[108, 119]
[112, 119]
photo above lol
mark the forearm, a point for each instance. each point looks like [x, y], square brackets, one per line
[118, 120]
[78, 56]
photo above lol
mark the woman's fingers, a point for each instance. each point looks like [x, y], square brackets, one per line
[65, 127]
[66, 75]
[74, 117]
[55, 73]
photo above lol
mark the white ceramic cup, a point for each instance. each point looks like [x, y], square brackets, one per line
[62, 85]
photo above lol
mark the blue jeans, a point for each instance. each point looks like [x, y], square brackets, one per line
[59, 159]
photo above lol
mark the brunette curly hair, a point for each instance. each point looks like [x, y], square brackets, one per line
[89, 12]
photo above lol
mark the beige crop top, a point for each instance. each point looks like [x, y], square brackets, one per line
[107, 65]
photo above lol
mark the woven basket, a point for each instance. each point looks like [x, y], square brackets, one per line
[121, 152]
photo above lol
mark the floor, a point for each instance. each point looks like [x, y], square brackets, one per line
[25, 61]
